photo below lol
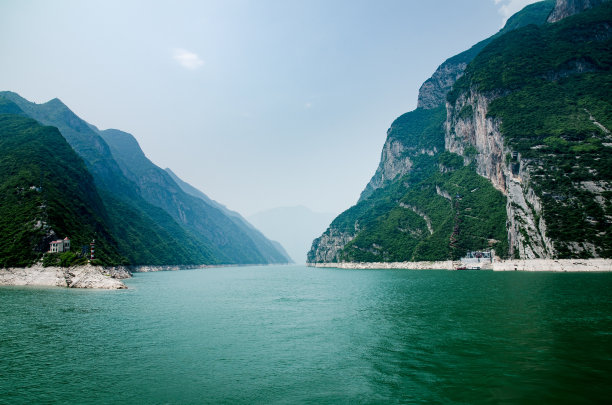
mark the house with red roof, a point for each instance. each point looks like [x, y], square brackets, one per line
[60, 245]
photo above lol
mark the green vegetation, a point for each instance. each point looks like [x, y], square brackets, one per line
[397, 230]
[420, 129]
[148, 235]
[414, 217]
[153, 219]
[450, 161]
[385, 231]
[46, 193]
[466, 112]
[65, 259]
[555, 87]
[536, 54]
[536, 13]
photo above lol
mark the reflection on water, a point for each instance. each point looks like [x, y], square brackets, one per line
[298, 335]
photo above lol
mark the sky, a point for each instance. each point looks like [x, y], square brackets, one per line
[258, 103]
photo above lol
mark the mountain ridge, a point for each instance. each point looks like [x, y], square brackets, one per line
[149, 232]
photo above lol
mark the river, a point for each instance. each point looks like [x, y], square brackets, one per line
[291, 334]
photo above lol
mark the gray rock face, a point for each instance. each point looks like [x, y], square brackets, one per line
[433, 92]
[325, 248]
[566, 8]
[393, 162]
[478, 137]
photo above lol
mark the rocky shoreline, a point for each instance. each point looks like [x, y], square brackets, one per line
[555, 265]
[445, 265]
[149, 268]
[87, 276]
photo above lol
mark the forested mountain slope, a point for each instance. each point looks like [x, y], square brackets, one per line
[233, 240]
[151, 229]
[46, 193]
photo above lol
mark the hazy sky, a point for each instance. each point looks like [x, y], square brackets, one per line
[258, 103]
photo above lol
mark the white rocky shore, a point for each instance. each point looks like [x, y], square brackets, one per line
[446, 265]
[553, 265]
[86, 276]
[565, 265]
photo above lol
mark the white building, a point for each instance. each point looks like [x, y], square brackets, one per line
[60, 245]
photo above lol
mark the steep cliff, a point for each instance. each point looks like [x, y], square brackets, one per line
[433, 91]
[396, 158]
[540, 133]
[476, 136]
[410, 137]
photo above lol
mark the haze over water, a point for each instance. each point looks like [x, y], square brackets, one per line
[298, 335]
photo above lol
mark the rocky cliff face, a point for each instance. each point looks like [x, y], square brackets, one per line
[433, 92]
[325, 249]
[473, 135]
[393, 163]
[566, 8]
[432, 95]
[552, 161]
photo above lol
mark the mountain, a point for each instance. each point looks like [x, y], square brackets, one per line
[232, 242]
[46, 193]
[154, 220]
[253, 232]
[442, 187]
[433, 91]
[145, 233]
[294, 227]
[541, 134]
[432, 96]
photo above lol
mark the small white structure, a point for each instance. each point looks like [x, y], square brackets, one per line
[60, 245]
[476, 260]
[478, 256]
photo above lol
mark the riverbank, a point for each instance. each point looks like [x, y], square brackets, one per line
[558, 265]
[87, 276]
[575, 265]
[445, 265]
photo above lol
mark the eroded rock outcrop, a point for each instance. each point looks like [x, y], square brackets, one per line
[433, 91]
[475, 136]
[566, 8]
[393, 163]
[325, 248]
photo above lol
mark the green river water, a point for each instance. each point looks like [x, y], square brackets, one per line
[291, 334]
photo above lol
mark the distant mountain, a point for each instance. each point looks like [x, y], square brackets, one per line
[232, 241]
[293, 227]
[509, 149]
[256, 236]
[154, 220]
